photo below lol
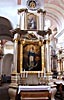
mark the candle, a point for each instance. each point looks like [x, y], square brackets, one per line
[38, 74]
[26, 74]
[42, 74]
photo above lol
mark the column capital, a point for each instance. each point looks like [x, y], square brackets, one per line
[16, 37]
[22, 10]
[41, 11]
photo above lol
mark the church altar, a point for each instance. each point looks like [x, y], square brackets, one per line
[31, 58]
[38, 92]
[33, 88]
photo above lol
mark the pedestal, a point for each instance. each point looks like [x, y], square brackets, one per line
[13, 87]
[40, 92]
[12, 91]
[53, 92]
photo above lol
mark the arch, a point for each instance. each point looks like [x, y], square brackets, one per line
[7, 64]
[5, 27]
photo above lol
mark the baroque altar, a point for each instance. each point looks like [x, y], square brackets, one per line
[31, 52]
[31, 45]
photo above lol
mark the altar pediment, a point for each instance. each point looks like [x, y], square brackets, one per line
[29, 36]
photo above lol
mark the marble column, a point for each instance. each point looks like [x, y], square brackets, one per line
[53, 92]
[22, 19]
[15, 77]
[25, 19]
[43, 62]
[58, 68]
[15, 51]
[48, 55]
[50, 58]
[40, 22]
[19, 21]
[41, 19]
[63, 65]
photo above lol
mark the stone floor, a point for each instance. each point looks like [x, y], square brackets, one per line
[58, 96]
[4, 92]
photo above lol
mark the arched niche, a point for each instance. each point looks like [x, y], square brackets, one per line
[7, 63]
[5, 36]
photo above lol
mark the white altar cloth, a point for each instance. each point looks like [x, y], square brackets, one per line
[59, 82]
[33, 88]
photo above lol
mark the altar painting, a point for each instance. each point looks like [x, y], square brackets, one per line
[31, 21]
[32, 57]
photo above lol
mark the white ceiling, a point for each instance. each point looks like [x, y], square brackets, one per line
[54, 12]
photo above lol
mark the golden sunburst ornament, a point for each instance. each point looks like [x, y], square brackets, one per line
[33, 4]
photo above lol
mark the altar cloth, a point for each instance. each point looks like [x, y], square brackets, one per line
[59, 82]
[33, 88]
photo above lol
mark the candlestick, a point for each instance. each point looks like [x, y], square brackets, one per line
[26, 74]
[38, 74]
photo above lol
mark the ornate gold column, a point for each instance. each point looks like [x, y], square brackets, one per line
[44, 45]
[21, 55]
[42, 55]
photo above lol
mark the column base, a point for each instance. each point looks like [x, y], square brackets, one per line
[13, 87]
[12, 91]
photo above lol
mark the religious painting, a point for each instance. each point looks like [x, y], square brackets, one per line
[31, 57]
[33, 4]
[31, 21]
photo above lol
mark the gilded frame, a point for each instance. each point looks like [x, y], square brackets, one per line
[39, 50]
[31, 21]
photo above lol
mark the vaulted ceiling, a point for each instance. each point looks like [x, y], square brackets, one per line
[54, 12]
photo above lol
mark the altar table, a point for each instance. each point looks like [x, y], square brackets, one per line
[40, 92]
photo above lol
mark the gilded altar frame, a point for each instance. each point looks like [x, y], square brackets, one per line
[31, 21]
[38, 47]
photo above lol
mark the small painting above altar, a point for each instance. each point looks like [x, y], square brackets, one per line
[31, 21]
[32, 57]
